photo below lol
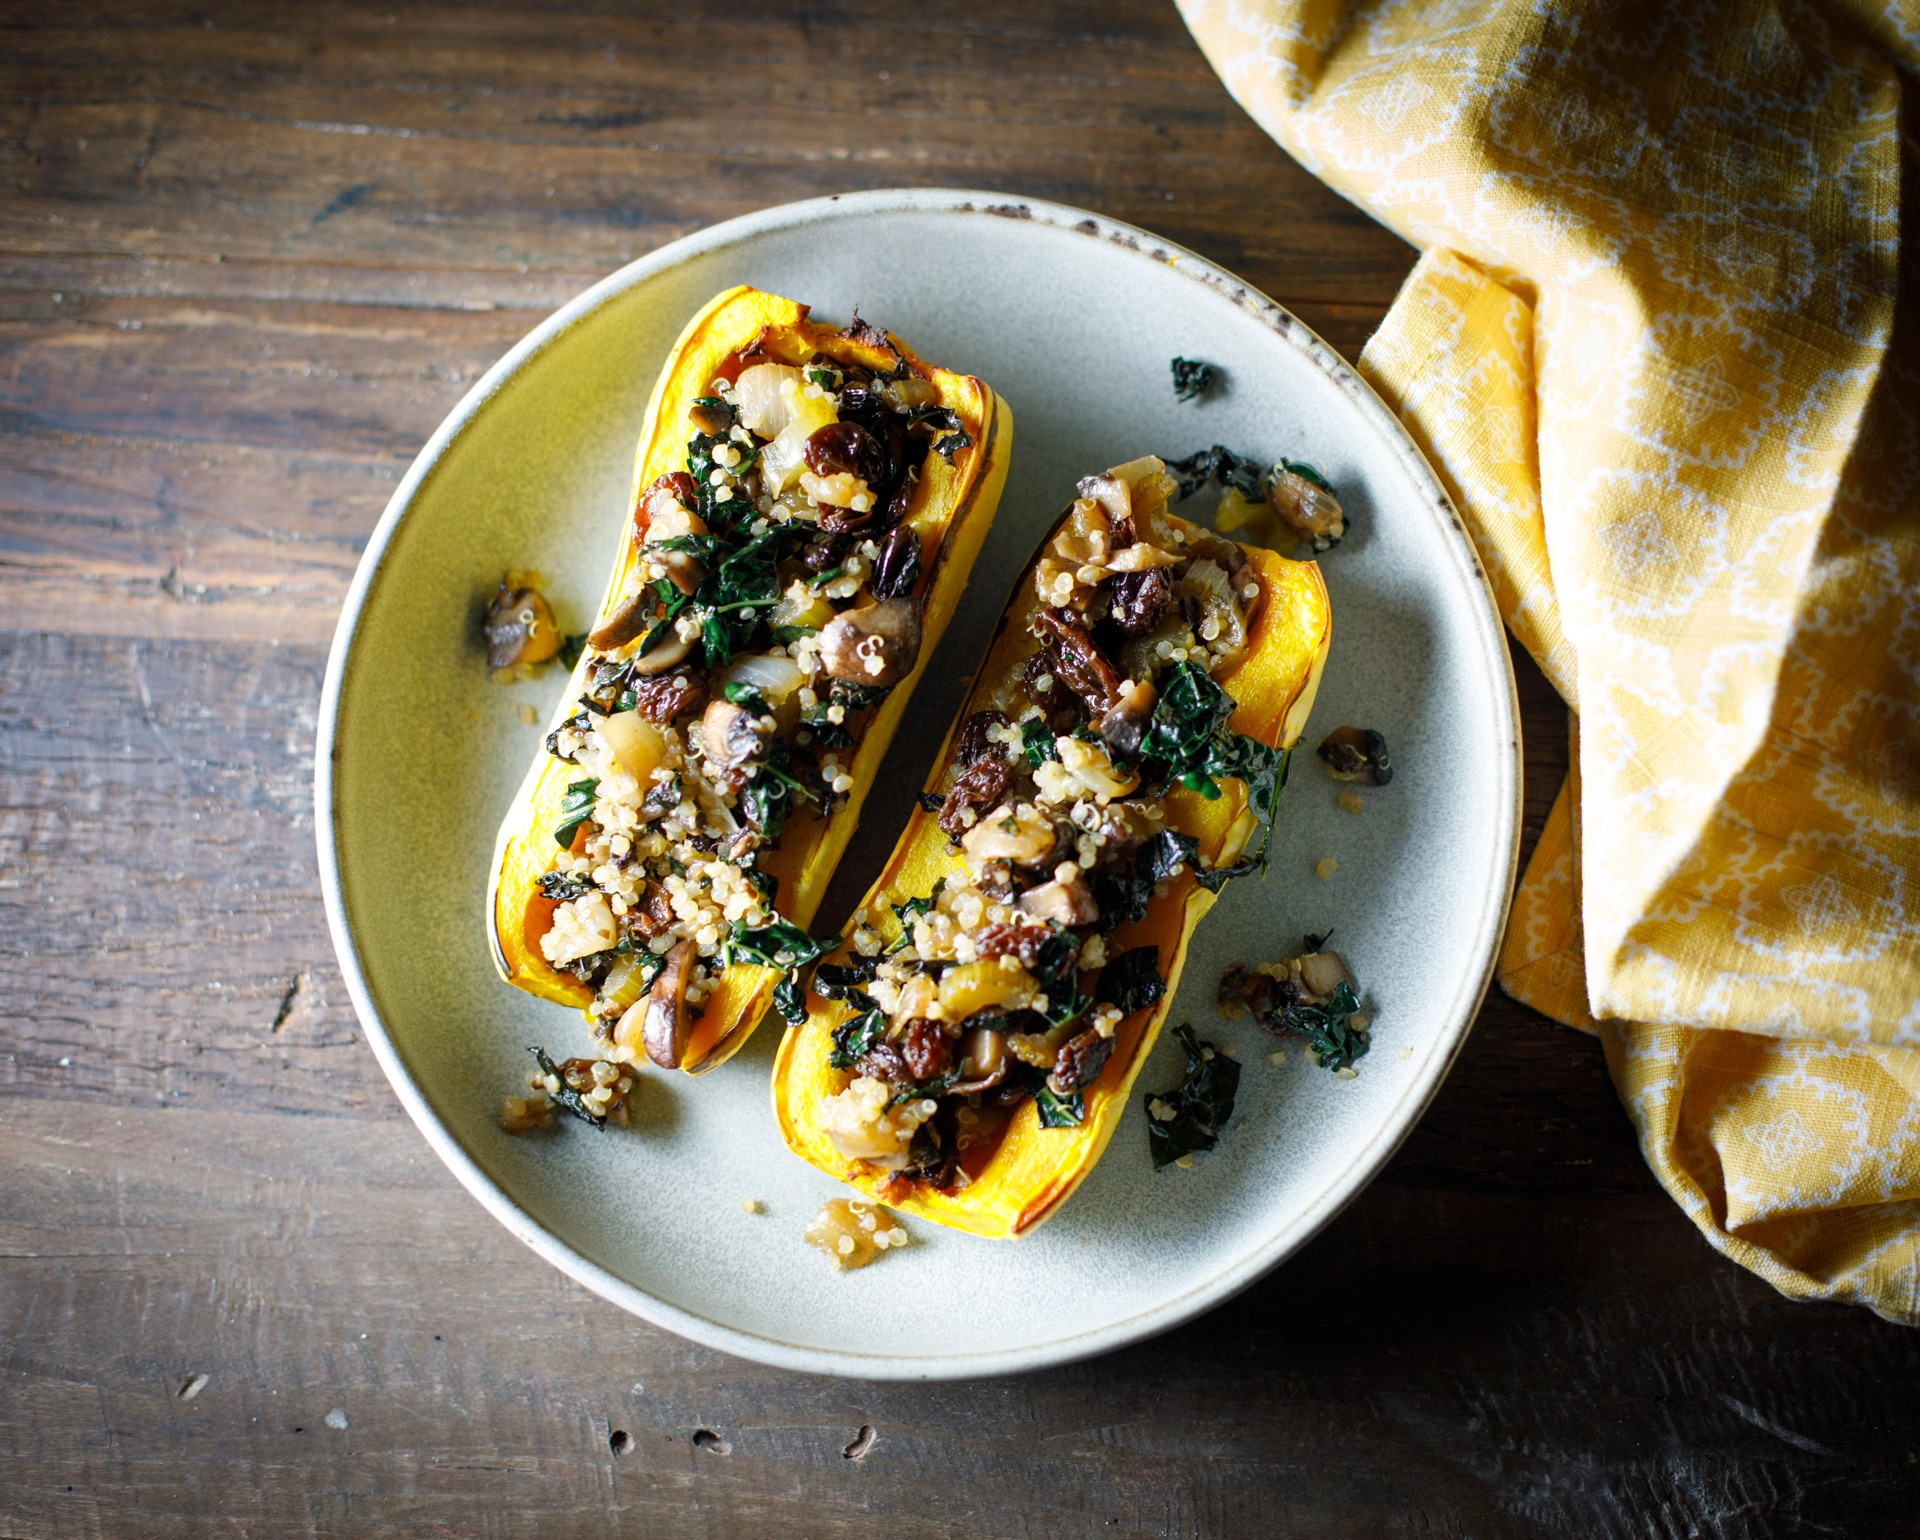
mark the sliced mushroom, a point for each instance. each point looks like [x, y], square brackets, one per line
[1111, 494]
[729, 734]
[629, 619]
[669, 652]
[1357, 754]
[1324, 972]
[1016, 832]
[684, 571]
[1069, 903]
[665, 1025]
[1125, 726]
[520, 628]
[1310, 509]
[710, 414]
[875, 645]
[983, 1061]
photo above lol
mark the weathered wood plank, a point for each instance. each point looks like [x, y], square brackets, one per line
[253, 226]
[470, 136]
[158, 880]
[1436, 1363]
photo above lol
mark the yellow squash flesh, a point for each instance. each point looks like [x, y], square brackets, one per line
[1033, 1169]
[951, 510]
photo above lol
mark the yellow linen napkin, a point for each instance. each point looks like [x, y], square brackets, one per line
[1664, 351]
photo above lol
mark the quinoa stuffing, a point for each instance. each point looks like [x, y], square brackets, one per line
[998, 986]
[776, 602]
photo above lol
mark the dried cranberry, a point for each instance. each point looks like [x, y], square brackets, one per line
[885, 1062]
[1079, 1062]
[825, 552]
[846, 448]
[1060, 704]
[1138, 599]
[925, 1049]
[1021, 941]
[666, 697]
[1076, 660]
[674, 487]
[980, 785]
[974, 743]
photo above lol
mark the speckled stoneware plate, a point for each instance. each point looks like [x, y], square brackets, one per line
[1073, 319]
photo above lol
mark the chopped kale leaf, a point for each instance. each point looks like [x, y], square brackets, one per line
[855, 1036]
[1331, 1040]
[575, 808]
[1037, 739]
[1057, 1111]
[1192, 379]
[779, 945]
[1192, 1115]
[570, 649]
[561, 886]
[931, 801]
[842, 981]
[1131, 981]
[938, 1086]
[1190, 710]
[1055, 955]
[790, 1000]
[907, 912]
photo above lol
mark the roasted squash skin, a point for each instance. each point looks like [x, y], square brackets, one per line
[952, 509]
[1033, 1169]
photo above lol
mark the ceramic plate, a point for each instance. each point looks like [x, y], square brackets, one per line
[1073, 319]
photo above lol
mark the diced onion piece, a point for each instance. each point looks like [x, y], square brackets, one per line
[782, 461]
[772, 677]
[762, 395]
[1138, 470]
[975, 986]
[1093, 767]
[799, 609]
[863, 1127]
[625, 982]
[636, 743]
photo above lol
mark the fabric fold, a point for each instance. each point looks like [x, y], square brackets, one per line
[1661, 349]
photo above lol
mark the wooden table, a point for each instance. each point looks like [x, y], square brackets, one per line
[249, 256]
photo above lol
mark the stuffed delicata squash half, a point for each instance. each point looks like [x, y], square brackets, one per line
[807, 506]
[970, 1049]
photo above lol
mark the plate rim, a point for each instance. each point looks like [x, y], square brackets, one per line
[1364, 1164]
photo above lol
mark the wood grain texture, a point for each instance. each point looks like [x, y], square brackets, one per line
[249, 257]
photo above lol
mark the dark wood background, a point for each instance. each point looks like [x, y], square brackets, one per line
[249, 256]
